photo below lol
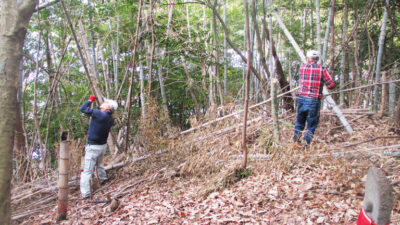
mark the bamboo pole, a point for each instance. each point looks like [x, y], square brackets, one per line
[384, 94]
[63, 168]
[381, 45]
[274, 109]
[246, 101]
[235, 113]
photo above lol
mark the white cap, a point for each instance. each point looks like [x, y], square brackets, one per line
[112, 103]
[312, 54]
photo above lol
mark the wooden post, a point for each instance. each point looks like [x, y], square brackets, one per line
[63, 169]
[384, 94]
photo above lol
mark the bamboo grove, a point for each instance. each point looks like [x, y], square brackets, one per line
[189, 57]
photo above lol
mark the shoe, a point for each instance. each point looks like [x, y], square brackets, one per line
[103, 181]
[85, 197]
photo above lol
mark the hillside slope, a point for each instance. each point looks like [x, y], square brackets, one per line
[197, 181]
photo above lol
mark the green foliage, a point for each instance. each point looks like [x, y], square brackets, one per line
[242, 173]
[109, 20]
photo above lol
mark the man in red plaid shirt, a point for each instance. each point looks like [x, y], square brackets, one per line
[312, 78]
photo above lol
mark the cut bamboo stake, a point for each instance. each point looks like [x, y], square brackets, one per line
[63, 168]
[329, 99]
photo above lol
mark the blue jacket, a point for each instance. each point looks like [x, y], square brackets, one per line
[99, 126]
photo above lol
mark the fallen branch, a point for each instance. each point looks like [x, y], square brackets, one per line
[372, 139]
[31, 212]
[341, 154]
[359, 117]
[235, 113]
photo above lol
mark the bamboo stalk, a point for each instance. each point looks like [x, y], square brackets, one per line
[275, 109]
[63, 168]
[235, 113]
[246, 101]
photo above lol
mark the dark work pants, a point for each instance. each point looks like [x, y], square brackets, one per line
[307, 111]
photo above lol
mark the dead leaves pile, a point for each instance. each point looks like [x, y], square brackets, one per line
[312, 190]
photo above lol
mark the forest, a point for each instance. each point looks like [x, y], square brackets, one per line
[207, 93]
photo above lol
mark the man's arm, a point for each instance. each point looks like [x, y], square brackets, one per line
[85, 108]
[330, 84]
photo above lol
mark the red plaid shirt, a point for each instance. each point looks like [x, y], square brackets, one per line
[312, 78]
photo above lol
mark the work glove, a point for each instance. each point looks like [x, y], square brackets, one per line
[92, 98]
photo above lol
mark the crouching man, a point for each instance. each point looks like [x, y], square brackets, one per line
[96, 145]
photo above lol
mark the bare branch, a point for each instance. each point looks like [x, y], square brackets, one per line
[45, 5]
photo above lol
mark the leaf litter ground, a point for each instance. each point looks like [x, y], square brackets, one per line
[195, 178]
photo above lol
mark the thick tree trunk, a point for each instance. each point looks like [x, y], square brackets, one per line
[15, 16]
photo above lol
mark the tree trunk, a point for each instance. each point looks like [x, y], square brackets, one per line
[384, 94]
[153, 43]
[135, 46]
[311, 23]
[392, 96]
[15, 16]
[318, 24]
[326, 38]
[259, 42]
[275, 109]
[225, 57]
[332, 27]
[397, 115]
[288, 102]
[35, 108]
[381, 44]
[246, 101]
[191, 86]
[357, 71]
[262, 79]
[343, 60]
[160, 72]
[216, 59]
